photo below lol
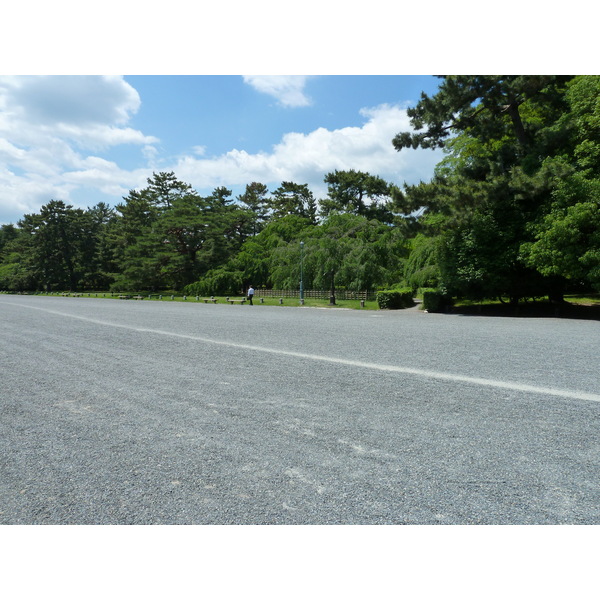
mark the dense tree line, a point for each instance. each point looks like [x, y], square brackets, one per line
[512, 212]
[167, 236]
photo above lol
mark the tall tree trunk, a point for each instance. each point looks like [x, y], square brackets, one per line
[513, 110]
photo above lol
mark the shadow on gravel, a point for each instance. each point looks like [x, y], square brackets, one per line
[533, 310]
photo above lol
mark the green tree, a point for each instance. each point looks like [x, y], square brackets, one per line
[345, 250]
[17, 268]
[231, 222]
[52, 249]
[183, 238]
[567, 237]
[164, 188]
[147, 245]
[172, 243]
[200, 234]
[256, 201]
[135, 243]
[8, 233]
[359, 193]
[503, 137]
[486, 107]
[99, 264]
[256, 260]
[293, 199]
[421, 269]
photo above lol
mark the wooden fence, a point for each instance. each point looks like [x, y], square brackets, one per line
[315, 294]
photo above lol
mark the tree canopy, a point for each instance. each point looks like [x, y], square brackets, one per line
[512, 211]
[518, 179]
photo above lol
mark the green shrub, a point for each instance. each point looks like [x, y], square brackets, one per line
[395, 299]
[435, 300]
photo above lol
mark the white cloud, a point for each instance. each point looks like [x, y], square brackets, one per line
[81, 100]
[101, 137]
[87, 110]
[307, 158]
[23, 195]
[150, 153]
[287, 89]
[105, 176]
[50, 126]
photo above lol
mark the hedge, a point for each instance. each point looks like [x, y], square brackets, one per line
[435, 300]
[395, 299]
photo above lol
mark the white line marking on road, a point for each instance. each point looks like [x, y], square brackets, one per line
[507, 385]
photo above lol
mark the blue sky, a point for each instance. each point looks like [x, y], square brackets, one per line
[85, 138]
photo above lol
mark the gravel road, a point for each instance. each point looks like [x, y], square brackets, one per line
[138, 412]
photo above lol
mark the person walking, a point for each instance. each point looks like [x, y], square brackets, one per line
[250, 295]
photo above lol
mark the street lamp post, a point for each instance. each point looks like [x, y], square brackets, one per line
[301, 272]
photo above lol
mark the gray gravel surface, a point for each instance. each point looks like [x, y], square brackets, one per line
[138, 412]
